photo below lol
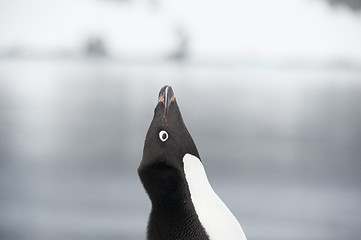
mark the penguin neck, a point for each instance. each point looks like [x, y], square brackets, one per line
[165, 185]
[176, 207]
[172, 208]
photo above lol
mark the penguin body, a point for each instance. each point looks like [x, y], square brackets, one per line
[184, 205]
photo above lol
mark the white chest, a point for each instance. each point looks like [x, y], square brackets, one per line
[215, 217]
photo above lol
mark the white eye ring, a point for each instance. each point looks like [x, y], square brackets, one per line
[163, 136]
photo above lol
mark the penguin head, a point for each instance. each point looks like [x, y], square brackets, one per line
[166, 143]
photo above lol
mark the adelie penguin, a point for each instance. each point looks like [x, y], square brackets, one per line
[184, 205]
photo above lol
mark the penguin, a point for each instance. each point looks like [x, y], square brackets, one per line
[184, 205]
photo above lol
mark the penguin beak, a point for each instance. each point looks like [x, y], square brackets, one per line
[166, 96]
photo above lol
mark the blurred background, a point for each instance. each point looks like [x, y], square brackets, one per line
[270, 91]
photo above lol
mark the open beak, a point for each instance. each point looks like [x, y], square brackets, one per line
[166, 96]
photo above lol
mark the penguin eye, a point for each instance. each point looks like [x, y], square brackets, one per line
[163, 135]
